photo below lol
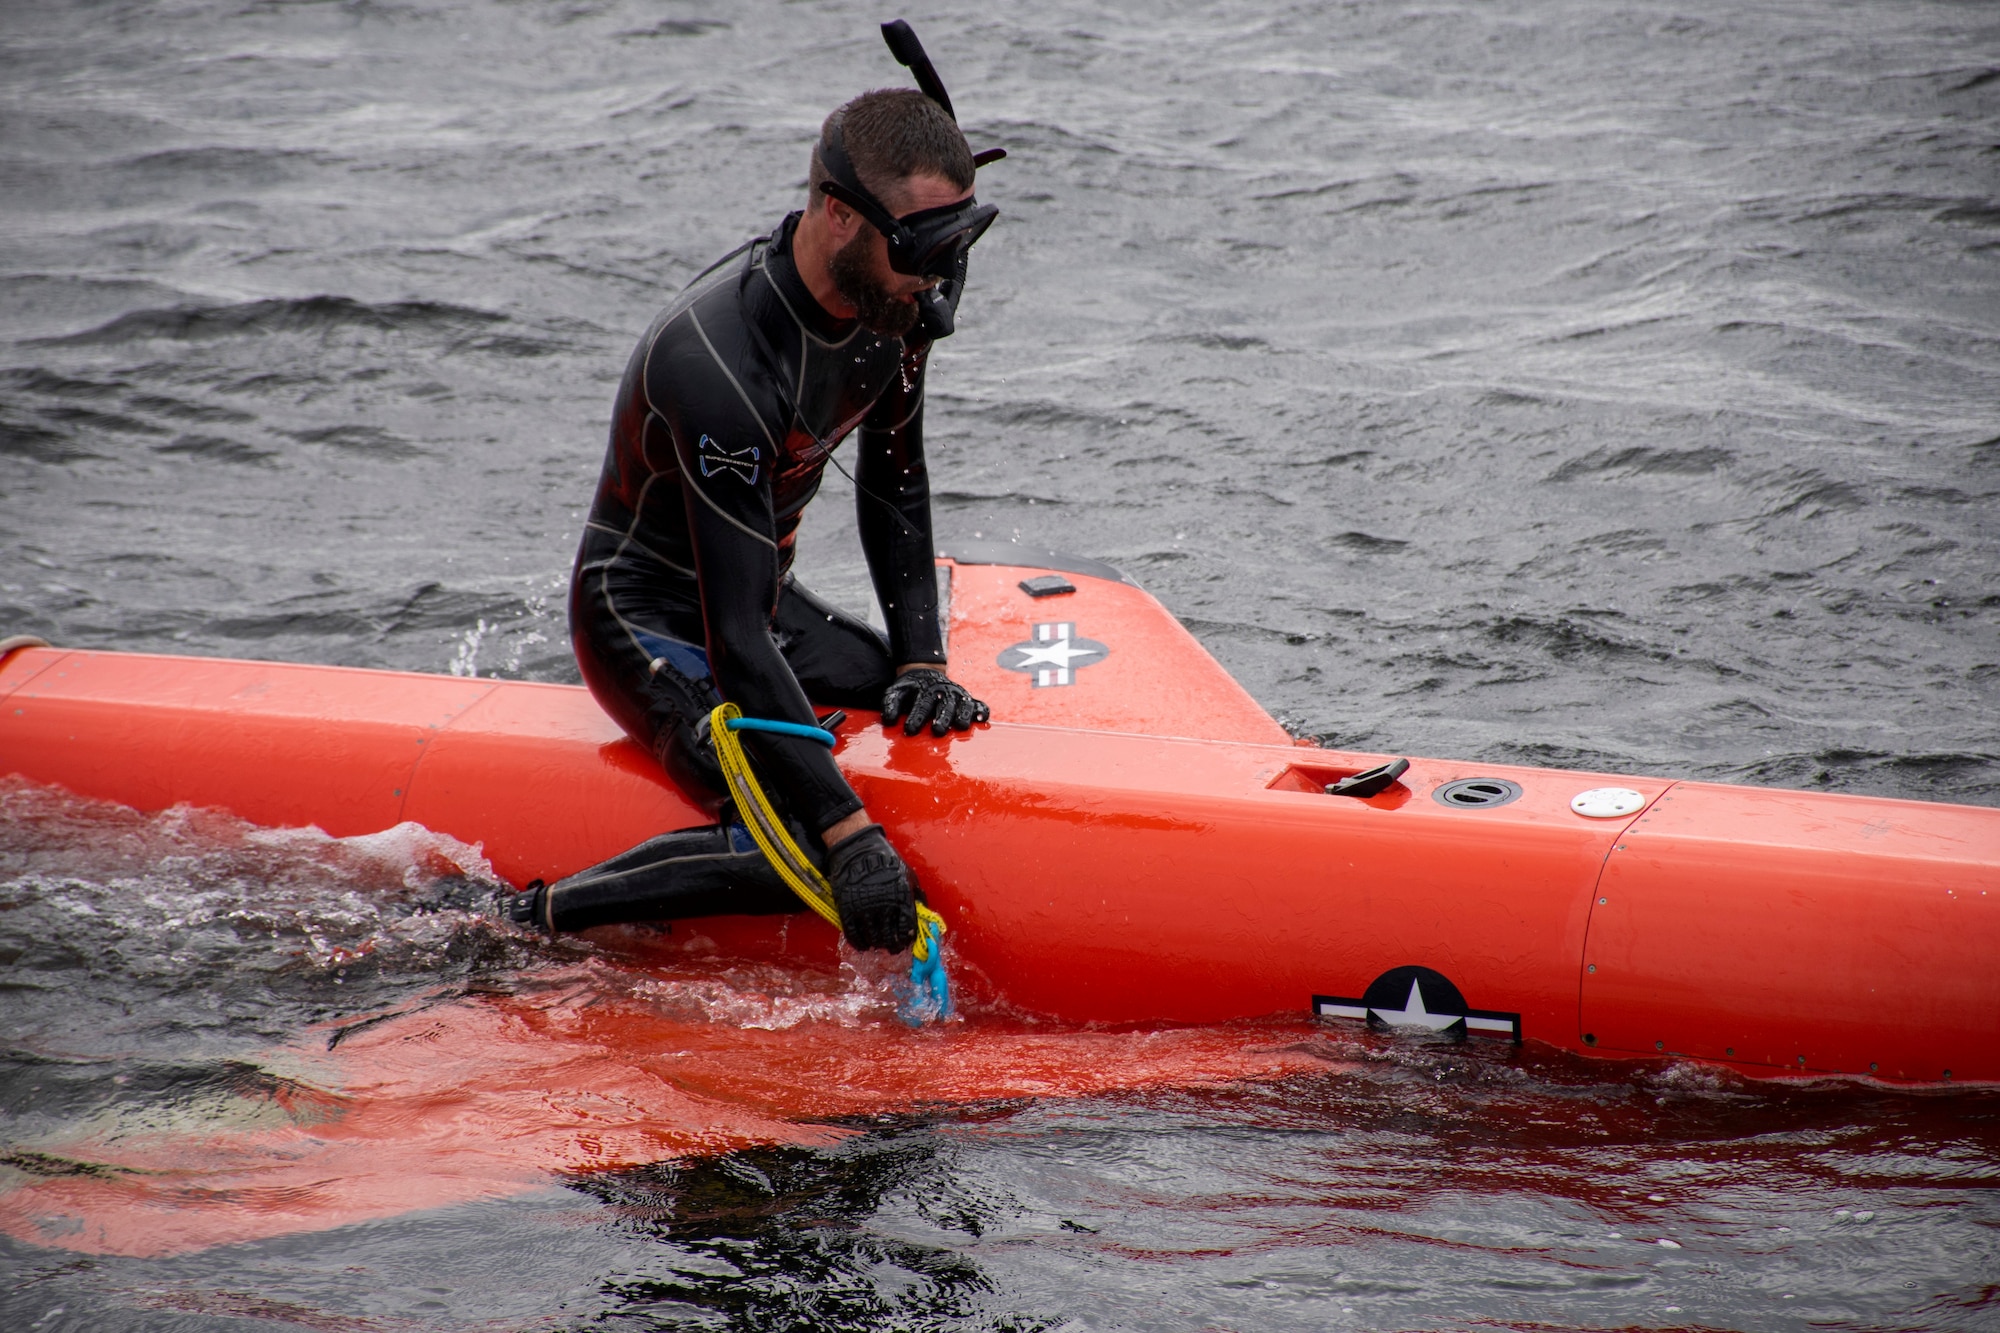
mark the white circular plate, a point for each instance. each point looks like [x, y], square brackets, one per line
[1607, 802]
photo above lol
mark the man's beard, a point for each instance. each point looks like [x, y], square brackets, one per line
[874, 305]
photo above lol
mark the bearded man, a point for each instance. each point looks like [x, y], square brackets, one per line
[683, 595]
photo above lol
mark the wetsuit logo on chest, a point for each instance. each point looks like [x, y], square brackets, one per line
[1054, 655]
[742, 463]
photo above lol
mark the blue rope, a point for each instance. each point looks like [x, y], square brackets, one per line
[799, 729]
[930, 990]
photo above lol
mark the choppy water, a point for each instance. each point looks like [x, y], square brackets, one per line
[1610, 383]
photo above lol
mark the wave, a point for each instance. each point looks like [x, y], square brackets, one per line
[1644, 460]
[1967, 776]
[218, 449]
[209, 163]
[675, 28]
[960, 499]
[1367, 544]
[310, 314]
[368, 441]
[1979, 212]
[39, 443]
[1567, 637]
[1041, 413]
[85, 412]
[1812, 496]
[431, 607]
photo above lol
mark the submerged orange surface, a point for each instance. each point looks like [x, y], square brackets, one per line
[485, 1096]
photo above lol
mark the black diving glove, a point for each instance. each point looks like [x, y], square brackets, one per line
[871, 887]
[928, 695]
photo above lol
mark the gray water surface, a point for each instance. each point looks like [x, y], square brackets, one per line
[1609, 384]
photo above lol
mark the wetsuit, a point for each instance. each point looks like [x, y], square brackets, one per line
[682, 595]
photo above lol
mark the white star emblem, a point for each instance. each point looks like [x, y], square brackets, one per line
[1414, 1015]
[1058, 653]
[1053, 654]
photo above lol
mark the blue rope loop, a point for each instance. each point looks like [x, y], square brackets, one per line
[929, 998]
[776, 728]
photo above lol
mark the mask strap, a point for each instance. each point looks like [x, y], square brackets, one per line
[844, 183]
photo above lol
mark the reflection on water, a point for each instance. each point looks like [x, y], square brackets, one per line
[1556, 382]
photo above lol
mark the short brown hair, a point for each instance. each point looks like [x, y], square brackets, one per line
[891, 135]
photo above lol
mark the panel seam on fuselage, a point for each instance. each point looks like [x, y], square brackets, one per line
[1597, 891]
[436, 729]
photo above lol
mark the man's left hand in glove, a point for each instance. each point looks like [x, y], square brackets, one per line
[925, 694]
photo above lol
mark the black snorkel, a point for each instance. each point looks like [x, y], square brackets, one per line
[930, 243]
[909, 53]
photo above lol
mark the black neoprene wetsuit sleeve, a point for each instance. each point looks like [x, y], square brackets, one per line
[733, 531]
[893, 512]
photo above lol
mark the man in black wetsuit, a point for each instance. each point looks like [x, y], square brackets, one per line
[683, 596]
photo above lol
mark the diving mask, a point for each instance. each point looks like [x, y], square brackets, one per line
[924, 244]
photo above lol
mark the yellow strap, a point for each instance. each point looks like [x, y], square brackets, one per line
[775, 840]
[921, 950]
[768, 831]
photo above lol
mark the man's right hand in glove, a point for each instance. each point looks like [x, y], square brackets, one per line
[871, 889]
